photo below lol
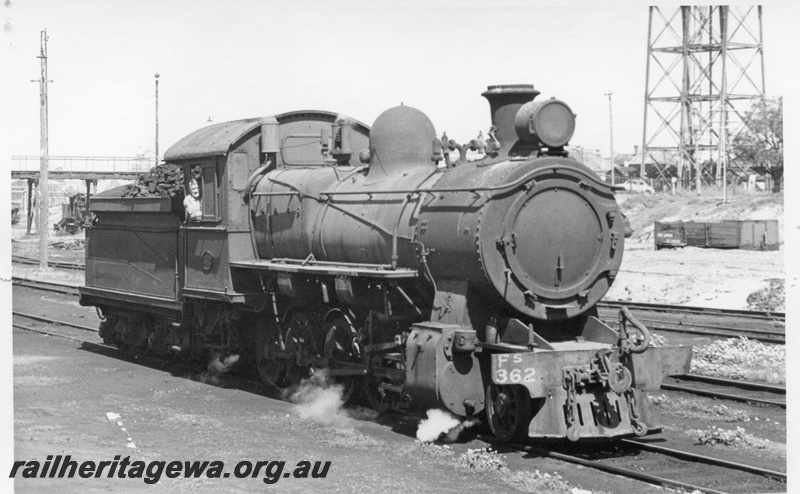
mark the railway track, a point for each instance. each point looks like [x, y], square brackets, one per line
[46, 286]
[55, 321]
[728, 389]
[750, 314]
[763, 326]
[668, 467]
[52, 264]
[140, 358]
[59, 335]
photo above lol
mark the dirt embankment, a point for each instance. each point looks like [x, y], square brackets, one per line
[643, 210]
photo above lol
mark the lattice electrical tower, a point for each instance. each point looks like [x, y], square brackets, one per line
[705, 68]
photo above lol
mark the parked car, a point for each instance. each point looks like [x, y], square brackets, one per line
[638, 185]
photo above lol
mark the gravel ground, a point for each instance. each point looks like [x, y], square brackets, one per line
[694, 276]
[64, 392]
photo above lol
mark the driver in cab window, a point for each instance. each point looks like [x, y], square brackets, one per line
[191, 203]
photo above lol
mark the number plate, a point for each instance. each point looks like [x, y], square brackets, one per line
[513, 368]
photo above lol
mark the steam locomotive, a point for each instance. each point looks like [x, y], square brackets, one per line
[73, 215]
[416, 277]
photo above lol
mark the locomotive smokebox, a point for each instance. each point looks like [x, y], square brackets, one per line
[504, 102]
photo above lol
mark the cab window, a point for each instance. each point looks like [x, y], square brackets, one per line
[209, 191]
[193, 200]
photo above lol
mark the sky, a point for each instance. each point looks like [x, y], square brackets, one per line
[234, 59]
[241, 59]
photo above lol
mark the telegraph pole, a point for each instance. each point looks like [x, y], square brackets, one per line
[611, 133]
[157, 160]
[44, 202]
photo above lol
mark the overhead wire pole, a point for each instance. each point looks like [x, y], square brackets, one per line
[646, 91]
[761, 50]
[611, 133]
[157, 159]
[44, 202]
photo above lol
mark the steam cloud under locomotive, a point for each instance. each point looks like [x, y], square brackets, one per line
[416, 278]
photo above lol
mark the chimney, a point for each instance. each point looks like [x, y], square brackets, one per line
[504, 102]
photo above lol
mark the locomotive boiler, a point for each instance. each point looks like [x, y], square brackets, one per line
[417, 271]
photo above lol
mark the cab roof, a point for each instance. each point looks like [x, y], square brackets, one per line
[217, 139]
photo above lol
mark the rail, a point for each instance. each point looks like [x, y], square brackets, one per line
[766, 326]
[62, 288]
[770, 315]
[719, 388]
[672, 471]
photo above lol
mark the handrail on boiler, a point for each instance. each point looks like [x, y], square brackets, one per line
[495, 188]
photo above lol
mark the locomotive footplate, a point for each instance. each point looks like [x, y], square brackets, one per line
[589, 390]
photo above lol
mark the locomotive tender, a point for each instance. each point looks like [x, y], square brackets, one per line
[418, 280]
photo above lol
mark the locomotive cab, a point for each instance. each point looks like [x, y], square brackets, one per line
[224, 159]
[218, 159]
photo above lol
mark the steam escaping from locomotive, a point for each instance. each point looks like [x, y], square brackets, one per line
[319, 400]
[441, 425]
[437, 423]
[216, 367]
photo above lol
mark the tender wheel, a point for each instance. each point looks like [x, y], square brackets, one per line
[508, 411]
[271, 369]
[109, 335]
[342, 345]
[300, 343]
